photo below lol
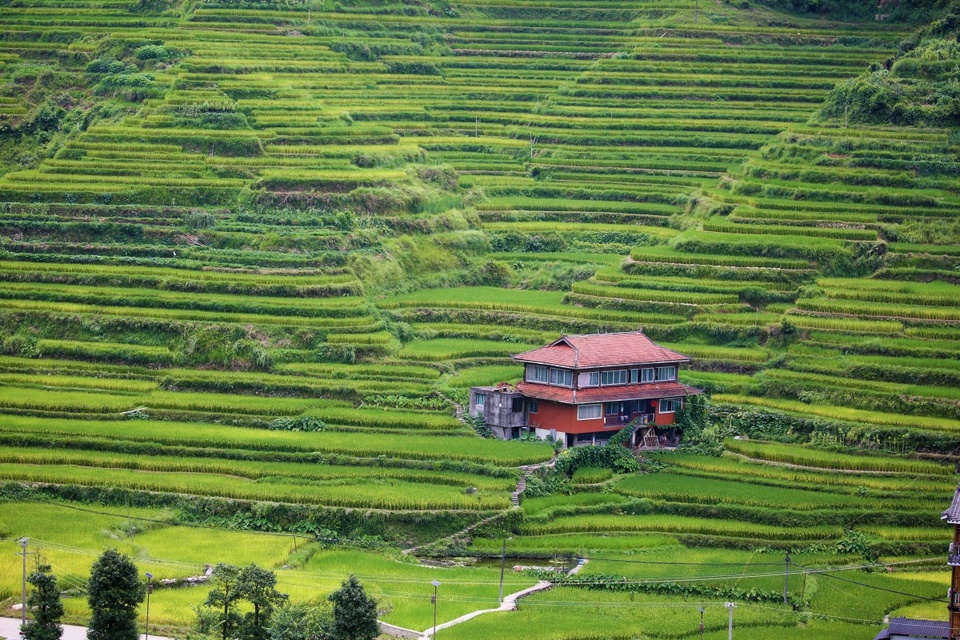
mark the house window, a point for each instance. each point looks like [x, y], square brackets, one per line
[562, 377]
[594, 378]
[481, 399]
[618, 376]
[589, 411]
[537, 373]
[646, 375]
[666, 373]
[516, 405]
[611, 408]
[634, 375]
[669, 405]
[532, 405]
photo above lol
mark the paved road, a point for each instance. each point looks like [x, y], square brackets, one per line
[10, 629]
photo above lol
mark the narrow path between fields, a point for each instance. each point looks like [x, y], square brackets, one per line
[525, 472]
[509, 604]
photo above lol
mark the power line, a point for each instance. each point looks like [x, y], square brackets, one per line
[870, 586]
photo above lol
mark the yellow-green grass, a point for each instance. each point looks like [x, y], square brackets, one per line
[731, 465]
[685, 488]
[560, 613]
[486, 375]
[333, 475]
[373, 493]
[677, 524]
[403, 586]
[822, 459]
[844, 413]
[366, 445]
[77, 382]
[333, 411]
[70, 539]
[578, 545]
[439, 349]
[549, 303]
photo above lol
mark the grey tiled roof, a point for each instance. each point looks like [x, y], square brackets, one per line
[915, 629]
[952, 515]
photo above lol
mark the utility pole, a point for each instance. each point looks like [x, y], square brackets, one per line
[701, 609]
[23, 602]
[730, 606]
[146, 634]
[435, 583]
[786, 578]
[503, 564]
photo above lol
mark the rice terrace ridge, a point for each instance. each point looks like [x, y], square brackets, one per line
[610, 320]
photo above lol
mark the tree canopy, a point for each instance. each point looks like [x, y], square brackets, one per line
[115, 589]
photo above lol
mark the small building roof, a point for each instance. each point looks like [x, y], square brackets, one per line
[952, 514]
[646, 391]
[903, 628]
[601, 350]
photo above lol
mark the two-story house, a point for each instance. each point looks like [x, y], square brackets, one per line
[583, 389]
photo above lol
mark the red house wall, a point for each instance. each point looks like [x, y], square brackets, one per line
[563, 418]
[662, 418]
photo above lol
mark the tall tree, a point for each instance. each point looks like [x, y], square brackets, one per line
[258, 587]
[114, 591]
[45, 606]
[222, 598]
[354, 612]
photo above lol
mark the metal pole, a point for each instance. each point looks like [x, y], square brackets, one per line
[23, 602]
[701, 622]
[786, 578]
[730, 606]
[435, 583]
[146, 634]
[503, 564]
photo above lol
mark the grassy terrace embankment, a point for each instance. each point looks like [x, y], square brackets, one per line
[251, 253]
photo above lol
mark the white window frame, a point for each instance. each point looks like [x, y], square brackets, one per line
[616, 377]
[534, 371]
[648, 375]
[481, 400]
[561, 377]
[594, 378]
[671, 370]
[675, 403]
[581, 411]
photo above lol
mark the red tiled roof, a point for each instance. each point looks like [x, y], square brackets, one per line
[646, 391]
[601, 350]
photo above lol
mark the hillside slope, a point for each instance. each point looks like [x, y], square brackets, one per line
[253, 253]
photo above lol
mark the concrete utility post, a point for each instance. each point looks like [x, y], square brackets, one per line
[701, 610]
[503, 566]
[23, 602]
[146, 635]
[435, 583]
[786, 578]
[730, 606]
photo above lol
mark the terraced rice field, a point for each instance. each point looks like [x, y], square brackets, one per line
[252, 256]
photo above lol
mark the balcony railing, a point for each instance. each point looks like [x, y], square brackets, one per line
[953, 556]
[624, 420]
